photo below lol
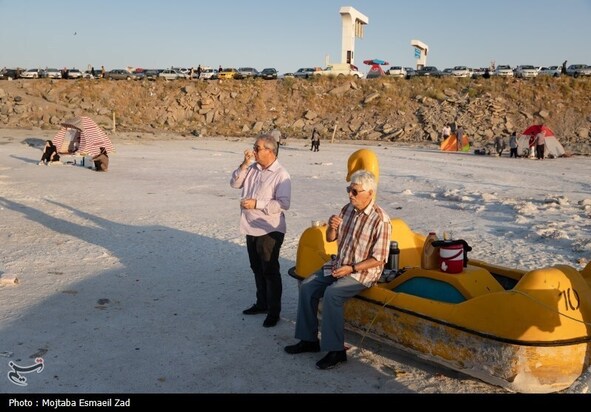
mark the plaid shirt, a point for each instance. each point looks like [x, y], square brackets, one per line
[362, 235]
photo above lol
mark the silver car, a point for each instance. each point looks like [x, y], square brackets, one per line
[172, 74]
[526, 71]
[577, 70]
[552, 71]
[504, 70]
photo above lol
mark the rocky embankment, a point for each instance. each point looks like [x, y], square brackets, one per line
[396, 110]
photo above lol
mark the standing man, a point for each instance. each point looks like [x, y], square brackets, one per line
[540, 144]
[459, 136]
[315, 140]
[362, 230]
[513, 145]
[266, 194]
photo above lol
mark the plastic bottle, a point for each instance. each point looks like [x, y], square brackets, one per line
[393, 257]
[430, 256]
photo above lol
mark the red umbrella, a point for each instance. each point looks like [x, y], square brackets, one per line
[534, 129]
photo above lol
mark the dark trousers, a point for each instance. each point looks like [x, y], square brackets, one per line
[540, 151]
[50, 157]
[513, 152]
[263, 254]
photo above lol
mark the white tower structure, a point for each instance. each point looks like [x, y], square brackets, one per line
[353, 22]
[421, 51]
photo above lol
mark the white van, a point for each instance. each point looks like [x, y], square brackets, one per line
[341, 69]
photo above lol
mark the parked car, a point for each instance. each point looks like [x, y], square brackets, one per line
[9, 74]
[461, 71]
[52, 74]
[246, 72]
[172, 74]
[228, 73]
[503, 70]
[410, 72]
[396, 71]
[577, 70]
[525, 71]
[32, 74]
[306, 72]
[208, 74]
[268, 74]
[119, 74]
[74, 74]
[340, 69]
[553, 71]
[429, 71]
[446, 72]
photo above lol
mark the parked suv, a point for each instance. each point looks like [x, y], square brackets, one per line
[396, 71]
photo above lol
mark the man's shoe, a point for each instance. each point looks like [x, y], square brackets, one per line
[332, 359]
[303, 346]
[254, 310]
[270, 321]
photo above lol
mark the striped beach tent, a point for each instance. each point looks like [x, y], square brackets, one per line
[83, 136]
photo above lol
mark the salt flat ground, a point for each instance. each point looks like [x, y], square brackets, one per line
[135, 280]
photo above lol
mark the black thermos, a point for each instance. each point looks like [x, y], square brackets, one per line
[393, 257]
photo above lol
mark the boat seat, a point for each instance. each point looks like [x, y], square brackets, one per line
[472, 282]
[409, 243]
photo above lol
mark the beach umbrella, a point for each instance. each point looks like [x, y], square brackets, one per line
[376, 61]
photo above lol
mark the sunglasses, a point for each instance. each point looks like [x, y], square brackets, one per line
[354, 192]
[258, 149]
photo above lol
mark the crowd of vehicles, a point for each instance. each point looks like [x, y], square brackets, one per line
[335, 69]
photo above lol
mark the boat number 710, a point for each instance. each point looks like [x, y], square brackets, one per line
[571, 299]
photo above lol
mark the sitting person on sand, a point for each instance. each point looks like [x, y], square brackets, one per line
[101, 161]
[49, 153]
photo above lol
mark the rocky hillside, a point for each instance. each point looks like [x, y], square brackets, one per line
[406, 111]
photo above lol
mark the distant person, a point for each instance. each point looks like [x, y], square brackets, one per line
[101, 160]
[446, 132]
[220, 69]
[315, 141]
[459, 136]
[266, 195]
[199, 72]
[49, 153]
[103, 72]
[486, 74]
[362, 232]
[92, 72]
[276, 133]
[540, 144]
[499, 145]
[513, 145]
[563, 70]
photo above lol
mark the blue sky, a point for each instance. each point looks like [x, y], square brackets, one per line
[288, 35]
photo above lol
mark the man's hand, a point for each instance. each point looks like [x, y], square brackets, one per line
[334, 222]
[248, 203]
[248, 157]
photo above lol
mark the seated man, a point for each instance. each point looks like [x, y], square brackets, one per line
[101, 160]
[362, 230]
[49, 153]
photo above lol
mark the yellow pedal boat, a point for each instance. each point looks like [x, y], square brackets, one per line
[526, 331]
